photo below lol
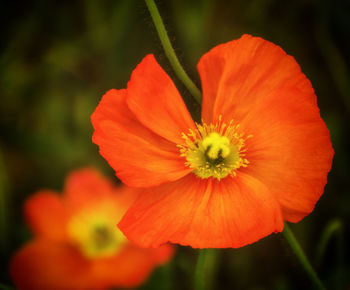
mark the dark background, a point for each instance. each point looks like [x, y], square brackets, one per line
[57, 58]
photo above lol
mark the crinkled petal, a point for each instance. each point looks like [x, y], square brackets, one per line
[155, 101]
[46, 215]
[247, 71]
[211, 68]
[140, 157]
[290, 152]
[201, 213]
[256, 84]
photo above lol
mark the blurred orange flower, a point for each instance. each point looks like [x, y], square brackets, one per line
[77, 244]
[260, 156]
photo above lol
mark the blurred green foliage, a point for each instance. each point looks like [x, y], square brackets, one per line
[58, 58]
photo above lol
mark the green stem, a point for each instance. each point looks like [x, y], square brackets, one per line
[170, 53]
[298, 251]
[334, 227]
[199, 274]
[335, 230]
[205, 269]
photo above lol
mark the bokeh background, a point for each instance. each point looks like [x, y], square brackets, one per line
[57, 58]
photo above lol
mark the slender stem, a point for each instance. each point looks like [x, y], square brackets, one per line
[205, 269]
[169, 51]
[334, 228]
[288, 234]
[199, 274]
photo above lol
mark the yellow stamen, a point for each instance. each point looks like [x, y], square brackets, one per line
[214, 150]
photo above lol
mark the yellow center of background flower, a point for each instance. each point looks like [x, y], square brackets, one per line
[96, 234]
[214, 150]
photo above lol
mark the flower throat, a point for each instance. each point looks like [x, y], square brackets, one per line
[96, 234]
[214, 150]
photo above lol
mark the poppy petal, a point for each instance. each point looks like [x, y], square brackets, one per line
[46, 215]
[263, 89]
[211, 68]
[45, 265]
[154, 99]
[127, 274]
[208, 213]
[290, 152]
[238, 75]
[140, 157]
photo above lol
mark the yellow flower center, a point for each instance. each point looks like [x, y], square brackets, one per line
[96, 234]
[214, 150]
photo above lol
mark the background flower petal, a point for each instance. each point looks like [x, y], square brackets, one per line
[131, 266]
[86, 186]
[88, 190]
[203, 213]
[155, 101]
[45, 265]
[46, 215]
[140, 157]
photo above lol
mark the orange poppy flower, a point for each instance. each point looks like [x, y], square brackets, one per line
[260, 156]
[77, 244]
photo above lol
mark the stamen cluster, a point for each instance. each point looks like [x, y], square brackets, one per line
[214, 150]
